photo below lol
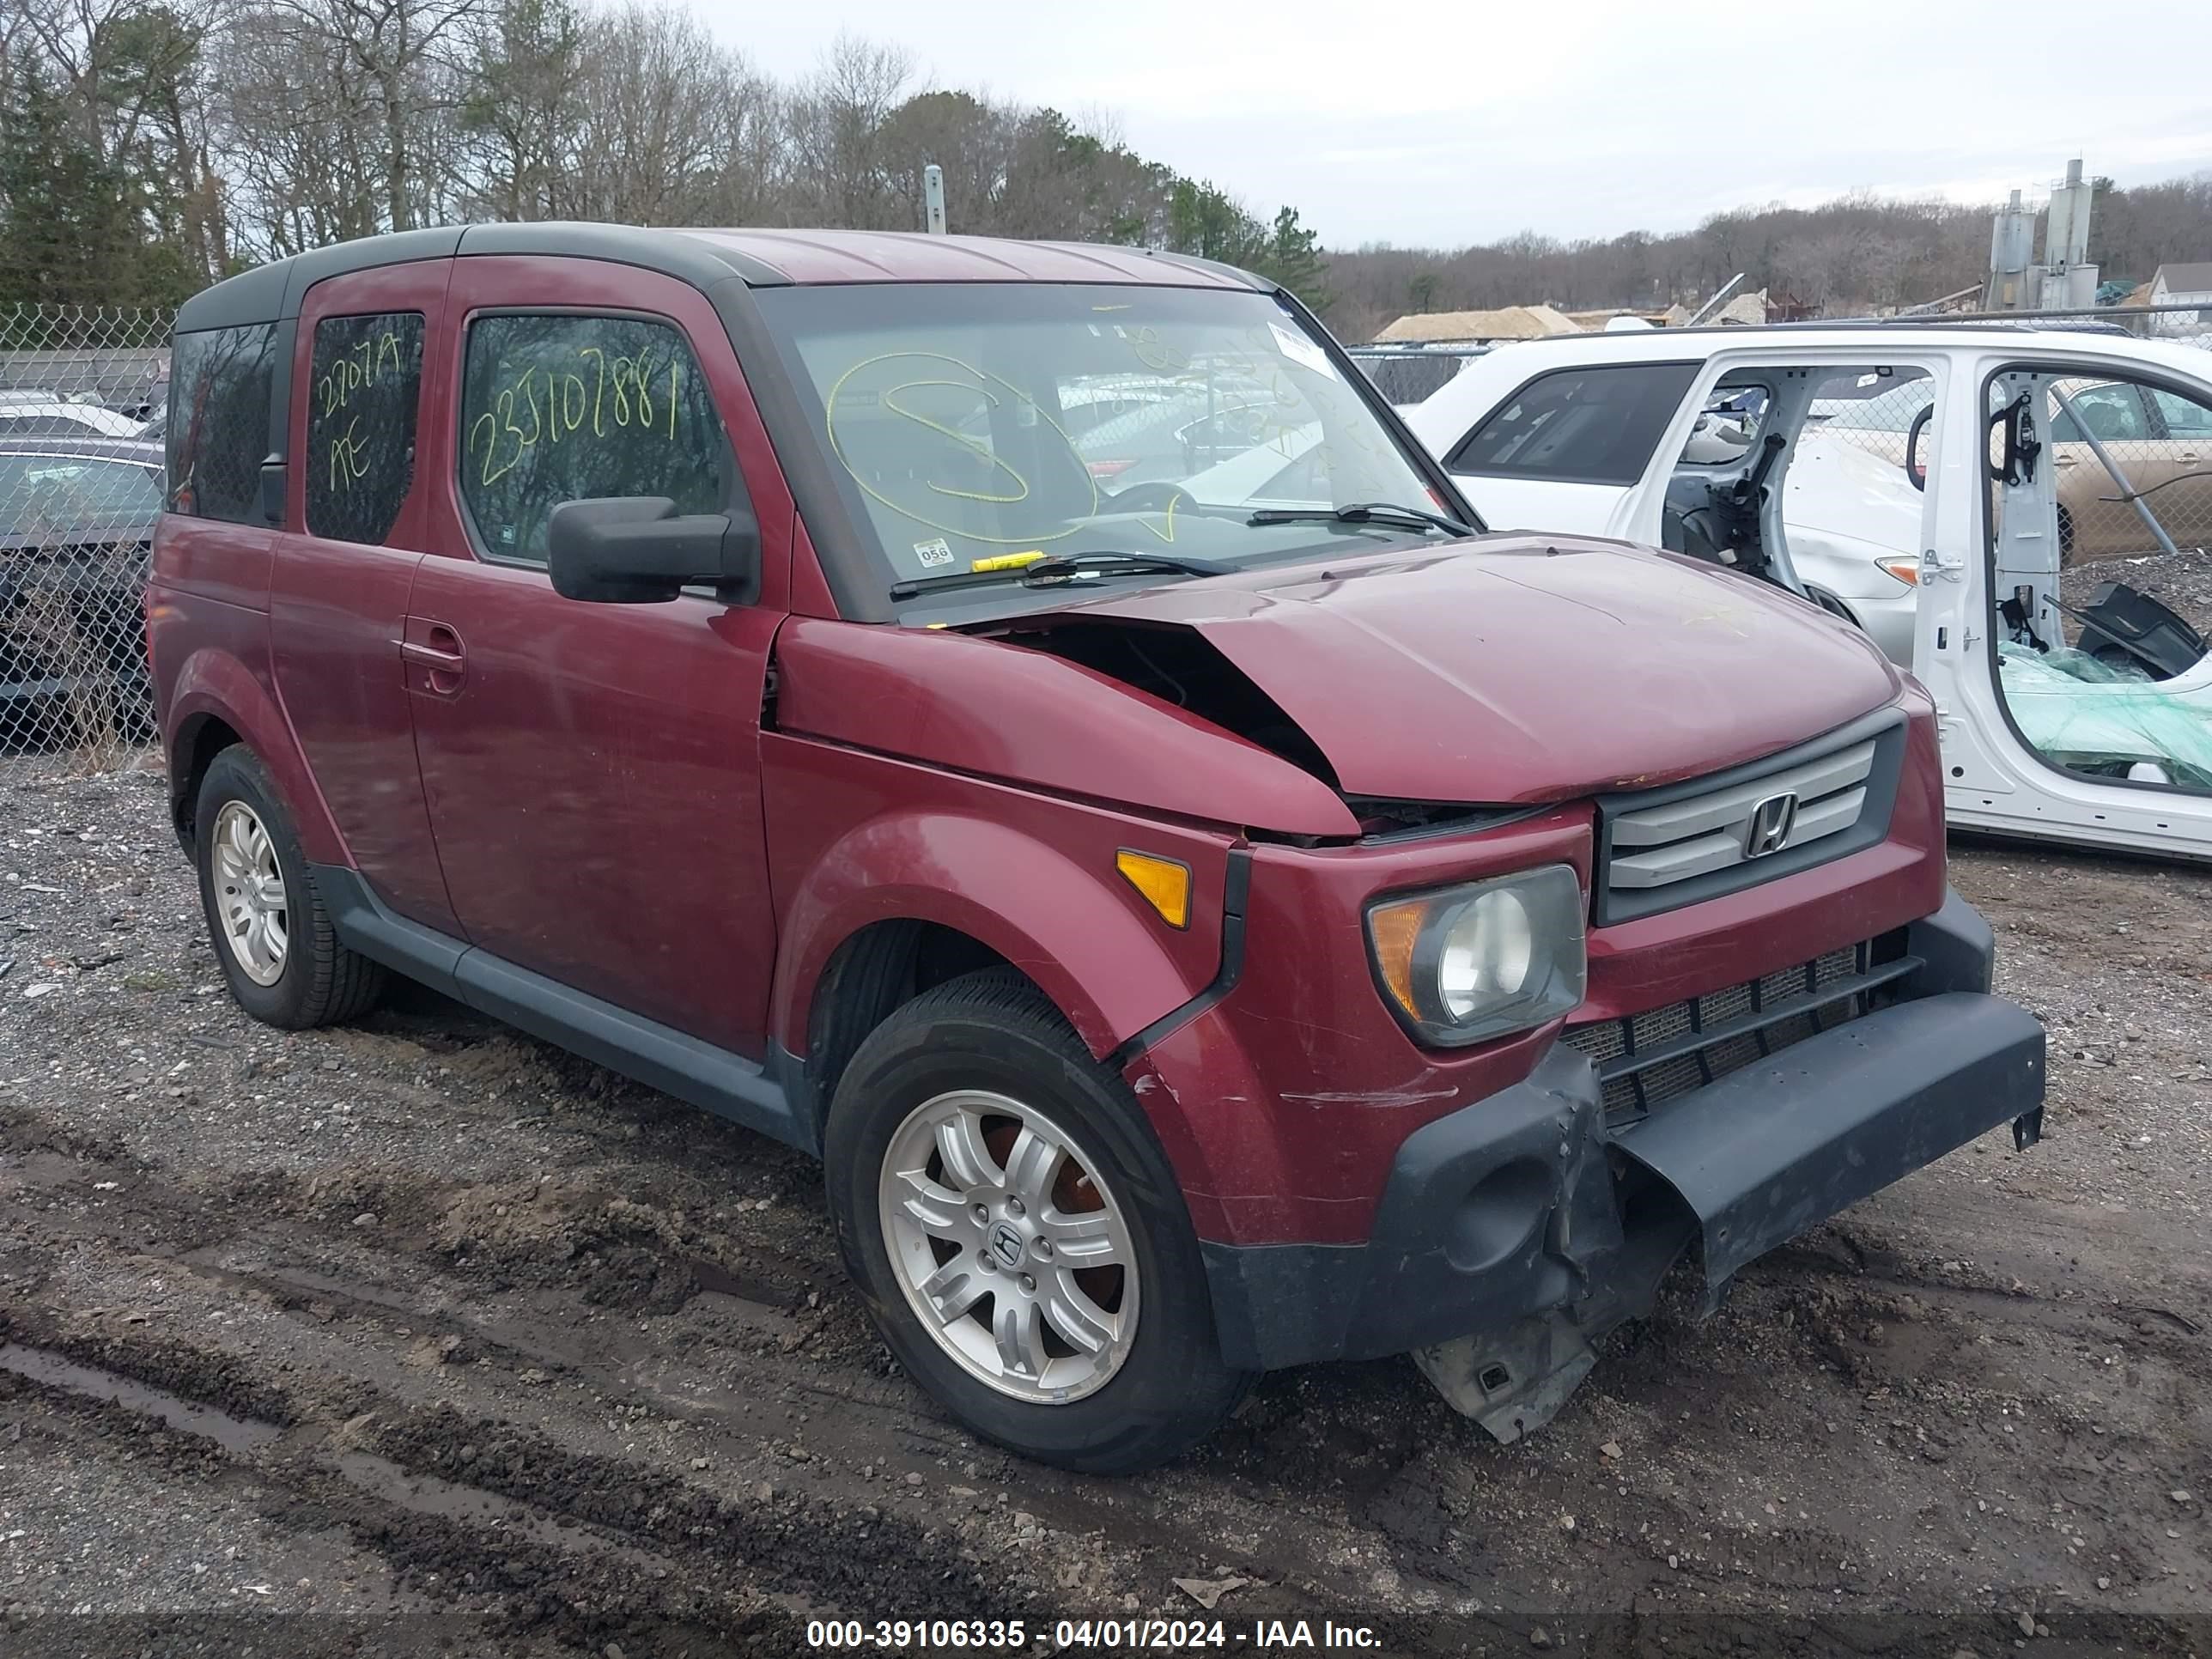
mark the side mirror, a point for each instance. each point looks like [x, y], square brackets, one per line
[638, 549]
[1915, 468]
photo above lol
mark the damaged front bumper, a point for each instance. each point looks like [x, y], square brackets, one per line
[1520, 1227]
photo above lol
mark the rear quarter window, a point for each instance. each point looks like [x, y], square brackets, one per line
[218, 432]
[1595, 425]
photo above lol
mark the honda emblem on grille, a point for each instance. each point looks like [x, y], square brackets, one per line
[1772, 821]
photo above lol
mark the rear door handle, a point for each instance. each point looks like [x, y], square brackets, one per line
[434, 657]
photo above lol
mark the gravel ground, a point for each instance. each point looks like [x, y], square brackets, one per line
[422, 1336]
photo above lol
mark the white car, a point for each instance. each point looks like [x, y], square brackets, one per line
[25, 418]
[2068, 662]
[1853, 521]
[1533, 451]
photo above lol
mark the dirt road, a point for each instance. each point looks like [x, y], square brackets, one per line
[422, 1336]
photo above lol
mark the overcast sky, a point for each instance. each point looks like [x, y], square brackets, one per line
[1418, 122]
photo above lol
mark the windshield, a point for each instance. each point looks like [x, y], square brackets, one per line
[972, 424]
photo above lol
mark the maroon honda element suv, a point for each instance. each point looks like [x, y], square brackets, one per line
[1027, 723]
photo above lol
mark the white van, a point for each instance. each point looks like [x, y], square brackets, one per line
[2021, 516]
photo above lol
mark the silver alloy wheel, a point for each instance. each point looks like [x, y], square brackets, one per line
[1002, 1255]
[249, 893]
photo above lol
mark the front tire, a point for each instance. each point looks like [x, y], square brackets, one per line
[1017, 1235]
[271, 933]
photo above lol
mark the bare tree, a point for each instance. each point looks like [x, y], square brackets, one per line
[519, 120]
[295, 126]
[844, 167]
[662, 106]
[407, 57]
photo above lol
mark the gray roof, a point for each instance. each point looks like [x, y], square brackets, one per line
[2194, 278]
[703, 257]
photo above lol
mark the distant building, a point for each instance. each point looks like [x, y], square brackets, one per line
[1478, 327]
[2183, 285]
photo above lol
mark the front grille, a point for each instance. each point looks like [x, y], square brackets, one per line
[1661, 849]
[1649, 1058]
[1656, 846]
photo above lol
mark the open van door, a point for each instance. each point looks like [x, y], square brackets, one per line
[2067, 649]
[1944, 458]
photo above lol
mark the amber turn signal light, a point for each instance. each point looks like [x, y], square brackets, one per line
[1164, 881]
[1394, 928]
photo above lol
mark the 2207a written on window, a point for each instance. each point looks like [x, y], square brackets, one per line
[365, 381]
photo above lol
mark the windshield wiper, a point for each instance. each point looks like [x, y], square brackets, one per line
[1364, 513]
[1059, 569]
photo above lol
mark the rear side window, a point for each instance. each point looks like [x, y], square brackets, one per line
[48, 492]
[572, 407]
[218, 433]
[364, 381]
[1579, 425]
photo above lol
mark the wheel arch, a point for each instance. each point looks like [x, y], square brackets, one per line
[200, 738]
[871, 975]
[217, 701]
[904, 902]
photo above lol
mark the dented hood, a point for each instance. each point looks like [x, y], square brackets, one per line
[1526, 669]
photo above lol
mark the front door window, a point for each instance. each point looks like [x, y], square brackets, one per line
[562, 407]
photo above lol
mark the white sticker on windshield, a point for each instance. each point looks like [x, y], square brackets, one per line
[933, 553]
[1301, 351]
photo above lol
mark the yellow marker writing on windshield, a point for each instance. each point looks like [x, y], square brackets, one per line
[1007, 561]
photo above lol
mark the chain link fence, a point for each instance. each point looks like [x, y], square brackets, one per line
[83, 401]
[1871, 411]
[1406, 375]
[2133, 463]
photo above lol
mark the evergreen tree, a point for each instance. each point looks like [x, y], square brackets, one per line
[66, 231]
[1291, 257]
[1206, 221]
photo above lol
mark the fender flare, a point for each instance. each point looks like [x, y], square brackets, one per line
[214, 684]
[1033, 905]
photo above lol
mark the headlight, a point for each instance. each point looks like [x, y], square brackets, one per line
[1465, 963]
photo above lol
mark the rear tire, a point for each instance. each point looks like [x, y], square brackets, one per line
[272, 935]
[947, 1254]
